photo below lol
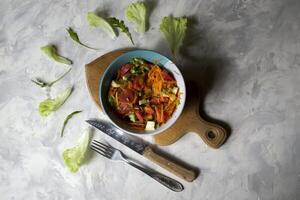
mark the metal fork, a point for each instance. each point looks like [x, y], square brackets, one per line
[112, 153]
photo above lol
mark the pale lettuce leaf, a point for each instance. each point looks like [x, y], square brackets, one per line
[50, 105]
[174, 30]
[51, 51]
[97, 21]
[73, 157]
[137, 14]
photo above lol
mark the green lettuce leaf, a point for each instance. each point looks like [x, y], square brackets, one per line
[174, 30]
[74, 36]
[137, 13]
[67, 119]
[96, 21]
[51, 51]
[73, 157]
[50, 105]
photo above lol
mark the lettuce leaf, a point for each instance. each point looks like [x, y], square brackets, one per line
[73, 157]
[50, 105]
[96, 21]
[174, 30]
[137, 13]
[51, 51]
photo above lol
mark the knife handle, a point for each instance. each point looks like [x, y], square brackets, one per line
[172, 167]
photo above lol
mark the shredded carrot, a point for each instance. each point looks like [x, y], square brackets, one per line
[162, 114]
[170, 107]
[156, 79]
[157, 114]
[129, 84]
[149, 110]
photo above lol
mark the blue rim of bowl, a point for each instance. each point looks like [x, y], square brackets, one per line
[144, 133]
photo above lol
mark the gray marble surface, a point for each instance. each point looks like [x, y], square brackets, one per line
[244, 54]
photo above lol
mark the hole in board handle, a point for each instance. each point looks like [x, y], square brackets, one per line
[211, 135]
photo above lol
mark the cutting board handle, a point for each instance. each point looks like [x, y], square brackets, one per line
[190, 121]
[212, 134]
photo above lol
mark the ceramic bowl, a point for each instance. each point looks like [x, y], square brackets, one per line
[111, 73]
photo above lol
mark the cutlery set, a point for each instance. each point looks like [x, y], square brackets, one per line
[139, 146]
[115, 154]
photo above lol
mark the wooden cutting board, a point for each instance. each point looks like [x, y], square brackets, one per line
[189, 121]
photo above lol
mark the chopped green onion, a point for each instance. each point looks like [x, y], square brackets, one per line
[126, 77]
[132, 117]
[112, 101]
[143, 101]
[115, 84]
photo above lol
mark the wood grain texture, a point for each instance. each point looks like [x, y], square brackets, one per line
[94, 71]
[189, 121]
[181, 172]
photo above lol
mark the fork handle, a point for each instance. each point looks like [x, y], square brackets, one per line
[164, 180]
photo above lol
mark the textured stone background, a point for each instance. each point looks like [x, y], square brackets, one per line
[245, 55]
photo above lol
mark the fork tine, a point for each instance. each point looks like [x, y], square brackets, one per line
[100, 152]
[103, 147]
[106, 146]
[99, 148]
[103, 150]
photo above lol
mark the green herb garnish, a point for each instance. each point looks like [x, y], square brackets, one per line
[112, 101]
[69, 116]
[116, 23]
[132, 117]
[74, 36]
[43, 83]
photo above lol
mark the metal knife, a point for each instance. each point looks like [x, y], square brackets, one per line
[142, 148]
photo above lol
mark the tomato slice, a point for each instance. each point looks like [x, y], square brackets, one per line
[155, 100]
[124, 69]
[167, 76]
[139, 115]
[124, 108]
[127, 96]
[138, 83]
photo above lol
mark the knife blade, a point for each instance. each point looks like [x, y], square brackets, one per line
[139, 146]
